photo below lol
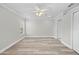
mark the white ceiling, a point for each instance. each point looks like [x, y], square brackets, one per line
[26, 9]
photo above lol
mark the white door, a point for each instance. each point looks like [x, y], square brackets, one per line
[76, 32]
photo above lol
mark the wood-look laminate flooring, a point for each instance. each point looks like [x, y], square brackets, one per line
[39, 46]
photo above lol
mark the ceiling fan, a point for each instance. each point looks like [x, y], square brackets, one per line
[39, 11]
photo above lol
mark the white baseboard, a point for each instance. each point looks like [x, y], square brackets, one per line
[65, 44]
[76, 50]
[19, 39]
[41, 37]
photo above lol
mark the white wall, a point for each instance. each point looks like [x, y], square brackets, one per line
[67, 27]
[10, 25]
[41, 27]
[59, 21]
[76, 31]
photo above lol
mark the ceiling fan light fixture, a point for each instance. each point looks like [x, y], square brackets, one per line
[39, 13]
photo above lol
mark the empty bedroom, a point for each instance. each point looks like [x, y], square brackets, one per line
[39, 28]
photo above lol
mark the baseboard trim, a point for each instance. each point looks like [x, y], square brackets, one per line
[65, 44]
[1, 51]
[76, 50]
[41, 37]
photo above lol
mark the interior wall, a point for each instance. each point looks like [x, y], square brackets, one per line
[67, 27]
[41, 27]
[10, 27]
[76, 31]
[59, 21]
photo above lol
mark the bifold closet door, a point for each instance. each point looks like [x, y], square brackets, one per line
[76, 31]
